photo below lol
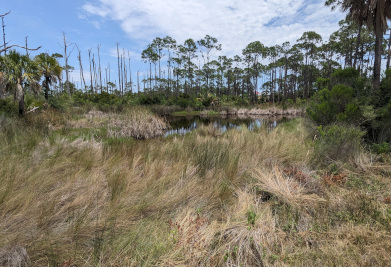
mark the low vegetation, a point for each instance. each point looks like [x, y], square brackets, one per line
[76, 188]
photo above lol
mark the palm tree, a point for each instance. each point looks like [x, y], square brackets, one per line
[20, 73]
[50, 69]
[375, 14]
[357, 12]
[380, 12]
[2, 84]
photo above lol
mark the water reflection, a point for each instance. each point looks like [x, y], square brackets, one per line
[183, 125]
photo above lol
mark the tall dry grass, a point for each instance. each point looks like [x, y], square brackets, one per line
[240, 198]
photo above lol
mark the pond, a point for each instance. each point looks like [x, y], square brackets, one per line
[186, 124]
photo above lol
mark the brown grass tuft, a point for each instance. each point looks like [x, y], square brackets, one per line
[286, 189]
[15, 256]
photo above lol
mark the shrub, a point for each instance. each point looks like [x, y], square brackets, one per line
[33, 100]
[61, 102]
[383, 95]
[207, 101]
[9, 107]
[347, 76]
[382, 148]
[336, 105]
[337, 143]
[379, 129]
[322, 83]
[149, 100]
[183, 102]
[351, 77]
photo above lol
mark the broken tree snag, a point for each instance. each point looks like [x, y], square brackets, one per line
[8, 47]
[5, 14]
[3, 25]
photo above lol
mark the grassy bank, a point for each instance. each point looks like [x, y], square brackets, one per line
[76, 188]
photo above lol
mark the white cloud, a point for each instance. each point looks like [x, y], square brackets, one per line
[234, 23]
[133, 55]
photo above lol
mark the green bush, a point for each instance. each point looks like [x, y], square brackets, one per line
[61, 102]
[337, 143]
[80, 99]
[379, 127]
[382, 97]
[183, 102]
[8, 107]
[104, 98]
[381, 148]
[351, 77]
[33, 100]
[338, 104]
[347, 76]
[322, 83]
[149, 100]
[207, 101]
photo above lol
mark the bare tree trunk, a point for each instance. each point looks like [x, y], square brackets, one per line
[81, 70]
[130, 75]
[109, 72]
[20, 98]
[99, 71]
[94, 73]
[27, 50]
[107, 85]
[285, 77]
[242, 91]
[378, 52]
[91, 84]
[122, 74]
[357, 44]
[144, 83]
[5, 44]
[125, 75]
[228, 85]
[2, 85]
[119, 69]
[2, 20]
[389, 51]
[66, 56]
[150, 76]
[138, 84]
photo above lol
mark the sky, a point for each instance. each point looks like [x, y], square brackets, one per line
[135, 23]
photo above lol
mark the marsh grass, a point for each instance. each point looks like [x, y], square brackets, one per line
[71, 192]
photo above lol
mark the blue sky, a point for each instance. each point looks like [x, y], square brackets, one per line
[135, 23]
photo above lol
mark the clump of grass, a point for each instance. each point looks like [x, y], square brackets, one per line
[15, 256]
[286, 189]
[163, 110]
[138, 123]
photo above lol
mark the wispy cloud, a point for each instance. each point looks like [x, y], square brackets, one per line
[234, 23]
[125, 53]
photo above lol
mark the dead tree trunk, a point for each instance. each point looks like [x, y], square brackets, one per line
[92, 85]
[81, 70]
[2, 21]
[100, 71]
[66, 57]
[119, 69]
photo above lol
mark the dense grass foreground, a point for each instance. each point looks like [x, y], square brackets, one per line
[72, 191]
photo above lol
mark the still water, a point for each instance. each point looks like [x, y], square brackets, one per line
[183, 125]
